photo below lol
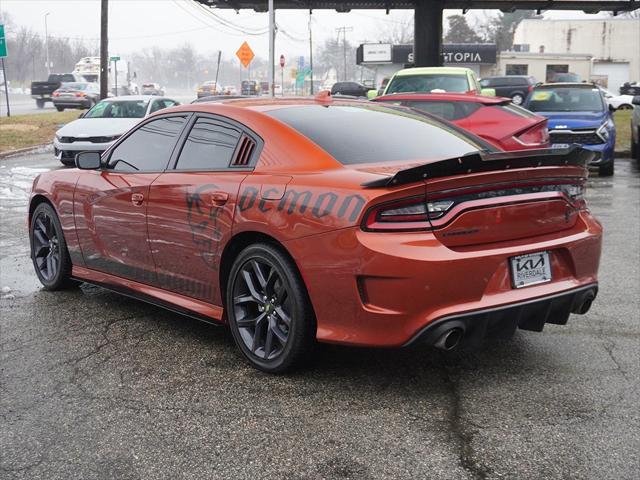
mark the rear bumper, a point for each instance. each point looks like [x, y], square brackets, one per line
[383, 290]
[502, 322]
[72, 102]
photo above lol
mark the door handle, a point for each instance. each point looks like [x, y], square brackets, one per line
[137, 198]
[219, 199]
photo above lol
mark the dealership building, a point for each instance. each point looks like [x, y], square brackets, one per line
[384, 59]
[604, 50]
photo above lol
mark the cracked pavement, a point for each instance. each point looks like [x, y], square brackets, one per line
[95, 385]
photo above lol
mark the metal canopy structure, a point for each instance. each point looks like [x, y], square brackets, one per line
[589, 6]
[427, 48]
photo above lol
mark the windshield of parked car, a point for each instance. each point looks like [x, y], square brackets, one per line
[428, 83]
[369, 134]
[566, 99]
[119, 109]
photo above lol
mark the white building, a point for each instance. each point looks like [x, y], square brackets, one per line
[612, 43]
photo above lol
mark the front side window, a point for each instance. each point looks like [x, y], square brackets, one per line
[209, 146]
[149, 148]
[429, 83]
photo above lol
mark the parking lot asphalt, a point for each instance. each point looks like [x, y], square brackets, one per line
[96, 385]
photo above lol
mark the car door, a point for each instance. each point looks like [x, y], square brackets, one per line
[192, 205]
[110, 204]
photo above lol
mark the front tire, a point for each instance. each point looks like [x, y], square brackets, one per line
[49, 249]
[60, 109]
[269, 311]
[606, 170]
[635, 147]
[40, 104]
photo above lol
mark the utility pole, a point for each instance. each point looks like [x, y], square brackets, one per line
[104, 49]
[311, 51]
[272, 46]
[344, 31]
[218, 69]
[46, 43]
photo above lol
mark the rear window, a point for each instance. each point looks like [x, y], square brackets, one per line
[447, 110]
[368, 134]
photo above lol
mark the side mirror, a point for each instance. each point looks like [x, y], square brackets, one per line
[488, 92]
[371, 94]
[82, 114]
[636, 100]
[88, 160]
[612, 108]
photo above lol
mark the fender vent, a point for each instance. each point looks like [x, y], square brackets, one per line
[245, 149]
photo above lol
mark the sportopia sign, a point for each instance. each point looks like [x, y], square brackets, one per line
[452, 53]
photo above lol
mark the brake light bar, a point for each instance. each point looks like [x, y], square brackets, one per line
[416, 213]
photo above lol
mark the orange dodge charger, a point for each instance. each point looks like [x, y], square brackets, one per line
[301, 220]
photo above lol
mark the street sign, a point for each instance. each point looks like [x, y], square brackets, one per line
[115, 59]
[281, 61]
[3, 42]
[245, 54]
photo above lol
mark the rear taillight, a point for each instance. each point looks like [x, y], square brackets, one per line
[80, 94]
[409, 214]
[530, 87]
[575, 193]
[538, 135]
[56, 94]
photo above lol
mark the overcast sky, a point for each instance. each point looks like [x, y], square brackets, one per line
[136, 24]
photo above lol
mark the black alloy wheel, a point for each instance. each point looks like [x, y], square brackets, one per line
[269, 311]
[49, 249]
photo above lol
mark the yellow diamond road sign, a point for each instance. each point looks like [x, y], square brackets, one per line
[245, 54]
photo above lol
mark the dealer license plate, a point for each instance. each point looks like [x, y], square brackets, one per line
[560, 145]
[530, 269]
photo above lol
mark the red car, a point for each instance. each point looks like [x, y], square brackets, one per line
[296, 220]
[495, 119]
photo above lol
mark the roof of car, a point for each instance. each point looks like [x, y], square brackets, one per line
[432, 70]
[567, 84]
[449, 97]
[133, 98]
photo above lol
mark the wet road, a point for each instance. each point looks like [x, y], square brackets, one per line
[95, 385]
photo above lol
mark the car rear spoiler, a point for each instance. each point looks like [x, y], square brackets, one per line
[486, 162]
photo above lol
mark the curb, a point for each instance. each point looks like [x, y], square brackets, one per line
[11, 153]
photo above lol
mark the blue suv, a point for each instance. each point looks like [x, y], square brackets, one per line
[577, 113]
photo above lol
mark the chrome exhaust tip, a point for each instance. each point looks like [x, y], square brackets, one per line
[450, 339]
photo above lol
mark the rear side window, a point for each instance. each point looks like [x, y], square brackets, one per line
[149, 148]
[447, 110]
[369, 134]
[209, 146]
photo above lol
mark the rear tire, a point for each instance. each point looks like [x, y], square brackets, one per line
[269, 311]
[60, 109]
[49, 249]
[606, 170]
[635, 148]
[40, 104]
[517, 99]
